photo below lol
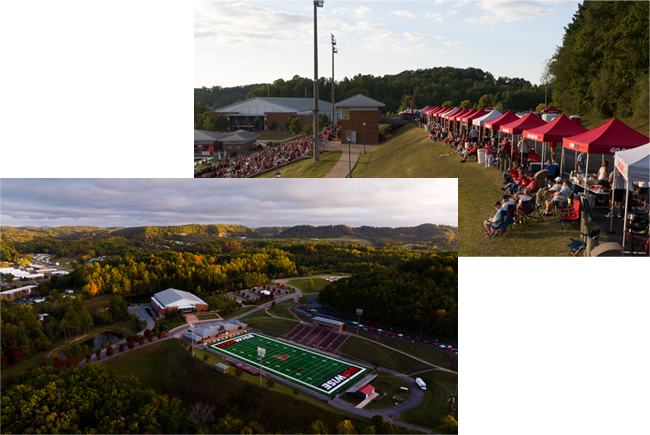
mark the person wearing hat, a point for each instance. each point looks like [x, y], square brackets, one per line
[494, 222]
[561, 195]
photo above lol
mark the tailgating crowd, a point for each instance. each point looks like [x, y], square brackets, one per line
[242, 165]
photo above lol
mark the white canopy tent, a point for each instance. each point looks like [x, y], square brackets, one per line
[634, 165]
[494, 114]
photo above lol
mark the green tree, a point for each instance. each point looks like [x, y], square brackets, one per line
[345, 427]
[485, 101]
[318, 428]
[309, 129]
[239, 372]
[310, 284]
[221, 123]
[540, 107]
[200, 107]
[89, 399]
[449, 425]
[256, 123]
[273, 125]
[324, 121]
[296, 126]
[466, 104]
[85, 319]
[208, 123]
[369, 430]
[118, 308]
[447, 104]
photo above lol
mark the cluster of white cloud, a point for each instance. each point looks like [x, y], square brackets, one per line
[508, 11]
[133, 202]
[404, 14]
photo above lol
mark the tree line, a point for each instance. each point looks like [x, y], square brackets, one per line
[431, 86]
[421, 292]
[602, 65]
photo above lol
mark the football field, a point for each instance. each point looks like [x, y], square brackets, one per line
[313, 370]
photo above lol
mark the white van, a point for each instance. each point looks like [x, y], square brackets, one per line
[421, 383]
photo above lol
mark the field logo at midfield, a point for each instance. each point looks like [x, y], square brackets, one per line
[235, 340]
[282, 357]
[341, 377]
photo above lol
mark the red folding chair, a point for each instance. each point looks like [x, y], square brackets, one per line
[573, 215]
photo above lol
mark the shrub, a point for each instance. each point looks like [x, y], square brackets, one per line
[131, 345]
[205, 357]
[88, 356]
[109, 350]
[121, 348]
[141, 340]
[159, 335]
[296, 391]
[270, 383]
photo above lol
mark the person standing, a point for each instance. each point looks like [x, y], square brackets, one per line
[582, 162]
[489, 146]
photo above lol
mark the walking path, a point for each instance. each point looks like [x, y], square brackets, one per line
[348, 158]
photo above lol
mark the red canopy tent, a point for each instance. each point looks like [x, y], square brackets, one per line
[474, 115]
[517, 127]
[554, 131]
[551, 109]
[463, 118]
[506, 118]
[610, 137]
[460, 114]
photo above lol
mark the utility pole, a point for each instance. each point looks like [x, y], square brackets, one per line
[261, 352]
[359, 314]
[334, 51]
[317, 4]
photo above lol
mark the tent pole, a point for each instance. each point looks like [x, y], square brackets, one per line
[575, 164]
[611, 212]
[627, 195]
[561, 161]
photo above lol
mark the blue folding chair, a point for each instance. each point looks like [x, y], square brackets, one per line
[577, 247]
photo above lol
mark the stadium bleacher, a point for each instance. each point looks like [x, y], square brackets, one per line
[317, 336]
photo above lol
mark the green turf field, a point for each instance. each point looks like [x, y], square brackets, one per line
[315, 371]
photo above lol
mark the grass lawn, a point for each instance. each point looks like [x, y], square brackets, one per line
[274, 326]
[259, 314]
[319, 284]
[143, 363]
[308, 168]
[192, 380]
[219, 302]
[100, 302]
[641, 125]
[409, 154]
[285, 309]
[172, 325]
[440, 385]
[381, 356]
[236, 312]
[430, 354]
[207, 316]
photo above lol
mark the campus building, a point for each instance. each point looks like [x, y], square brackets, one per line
[354, 112]
[215, 331]
[322, 322]
[365, 391]
[179, 299]
[241, 116]
[19, 292]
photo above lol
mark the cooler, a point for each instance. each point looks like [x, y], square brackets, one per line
[534, 167]
[480, 153]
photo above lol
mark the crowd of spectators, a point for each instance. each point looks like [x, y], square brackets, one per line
[246, 165]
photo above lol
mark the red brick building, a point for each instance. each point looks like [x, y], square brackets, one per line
[354, 112]
[322, 322]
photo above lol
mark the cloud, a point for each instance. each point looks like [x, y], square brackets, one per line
[138, 202]
[360, 11]
[433, 16]
[451, 13]
[459, 4]
[405, 14]
[451, 43]
[224, 23]
[411, 38]
[507, 11]
[470, 20]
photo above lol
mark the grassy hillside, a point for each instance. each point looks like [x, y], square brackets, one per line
[478, 188]
[440, 385]
[308, 168]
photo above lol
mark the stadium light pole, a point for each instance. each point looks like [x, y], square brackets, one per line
[349, 158]
[334, 51]
[359, 313]
[317, 4]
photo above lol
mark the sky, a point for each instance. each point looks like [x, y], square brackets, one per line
[243, 42]
[278, 202]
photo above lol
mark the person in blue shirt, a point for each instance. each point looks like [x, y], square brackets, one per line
[582, 162]
[494, 222]
[562, 195]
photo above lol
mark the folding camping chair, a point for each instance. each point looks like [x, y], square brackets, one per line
[573, 217]
[578, 246]
[505, 221]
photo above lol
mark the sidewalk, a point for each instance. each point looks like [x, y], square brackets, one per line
[342, 167]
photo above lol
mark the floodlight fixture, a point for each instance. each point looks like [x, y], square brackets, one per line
[319, 3]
